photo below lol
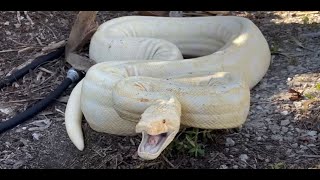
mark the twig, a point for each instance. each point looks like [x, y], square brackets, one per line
[167, 161]
[25, 49]
[18, 16]
[8, 50]
[24, 100]
[315, 34]
[40, 43]
[45, 70]
[50, 30]
[28, 17]
[312, 150]
[311, 156]
[54, 46]
[249, 164]
[22, 44]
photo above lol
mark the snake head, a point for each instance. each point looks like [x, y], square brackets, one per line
[159, 125]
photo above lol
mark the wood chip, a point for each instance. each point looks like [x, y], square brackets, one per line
[45, 70]
[53, 46]
[25, 49]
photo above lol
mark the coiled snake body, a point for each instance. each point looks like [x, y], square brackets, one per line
[142, 84]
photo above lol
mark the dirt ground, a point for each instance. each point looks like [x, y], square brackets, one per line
[279, 133]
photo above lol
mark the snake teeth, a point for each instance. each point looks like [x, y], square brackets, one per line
[127, 93]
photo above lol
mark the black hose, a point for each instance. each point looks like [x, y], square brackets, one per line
[34, 64]
[72, 76]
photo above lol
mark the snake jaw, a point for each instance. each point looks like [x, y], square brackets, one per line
[151, 146]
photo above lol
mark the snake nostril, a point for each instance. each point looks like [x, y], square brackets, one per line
[163, 121]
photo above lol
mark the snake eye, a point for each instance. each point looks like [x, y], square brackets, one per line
[163, 121]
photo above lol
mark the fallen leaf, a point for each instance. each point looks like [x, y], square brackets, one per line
[83, 29]
[295, 95]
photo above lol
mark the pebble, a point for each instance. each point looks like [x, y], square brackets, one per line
[36, 136]
[6, 23]
[284, 113]
[295, 145]
[276, 137]
[288, 152]
[230, 142]
[291, 68]
[235, 167]
[223, 166]
[268, 147]
[288, 138]
[300, 151]
[244, 157]
[303, 147]
[284, 129]
[285, 122]
[274, 128]
[312, 133]
[259, 138]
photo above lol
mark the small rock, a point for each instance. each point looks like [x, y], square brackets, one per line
[235, 167]
[288, 152]
[290, 68]
[259, 107]
[234, 150]
[297, 104]
[268, 147]
[8, 33]
[276, 137]
[267, 160]
[6, 110]
[284, 113]
[284, 129]
[230, 142]
[295, 145]
[288, 138]
[223, 166]
[244, 157]
[24, 128]
[260, 157]
[285, 122]
[289, 79]
[17, 25]
[259, 138]
[36, 136]
[6, 23]
[298, 49]
[18, 164]
[274, 128]
[303, 147]
[312, 133]
[300, 151]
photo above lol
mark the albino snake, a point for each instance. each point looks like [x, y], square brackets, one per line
[142, 84]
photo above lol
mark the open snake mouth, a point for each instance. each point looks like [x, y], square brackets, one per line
[151, 144]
